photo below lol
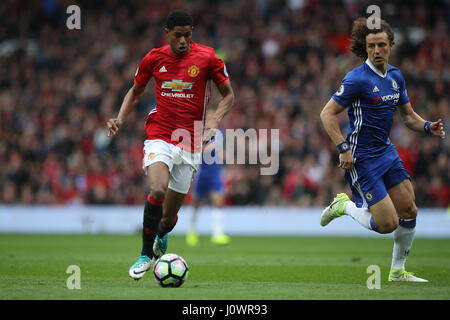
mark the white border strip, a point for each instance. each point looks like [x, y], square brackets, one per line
[267, 221]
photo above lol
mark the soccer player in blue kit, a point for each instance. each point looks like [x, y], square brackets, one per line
[208, 188]
[383, 195]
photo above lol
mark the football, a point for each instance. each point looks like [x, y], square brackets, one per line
[170, 270]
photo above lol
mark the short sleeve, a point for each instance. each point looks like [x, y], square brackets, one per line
[218, 70]
[143, 72]
[347, 92]
[404, 99]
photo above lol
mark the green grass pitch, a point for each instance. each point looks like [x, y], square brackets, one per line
[250, 268]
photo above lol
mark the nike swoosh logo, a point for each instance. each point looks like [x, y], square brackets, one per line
[334, 202]
[134, 271]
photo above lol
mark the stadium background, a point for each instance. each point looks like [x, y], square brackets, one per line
[285, 59]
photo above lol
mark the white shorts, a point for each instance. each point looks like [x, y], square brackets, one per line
[182, 164]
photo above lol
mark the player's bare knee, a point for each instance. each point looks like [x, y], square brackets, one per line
[408, 212]
[412, 212]
[158, 192]
[388, 226]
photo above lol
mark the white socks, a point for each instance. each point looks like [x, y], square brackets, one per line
[403, 235]
[217, 222]
[403, 239]
[193, 222]
[361, 215]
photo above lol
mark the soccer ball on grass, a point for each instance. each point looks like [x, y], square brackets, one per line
[170, 270]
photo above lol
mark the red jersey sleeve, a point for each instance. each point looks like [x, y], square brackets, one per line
[144, 71]
[218, 70]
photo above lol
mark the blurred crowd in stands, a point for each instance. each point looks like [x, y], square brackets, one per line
[285, 59]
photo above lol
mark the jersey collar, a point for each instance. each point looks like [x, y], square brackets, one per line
[374, 69]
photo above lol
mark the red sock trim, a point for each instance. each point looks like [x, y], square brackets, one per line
[154, 201]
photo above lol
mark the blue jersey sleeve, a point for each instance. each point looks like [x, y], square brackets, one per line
[404, 99]
[348, 91]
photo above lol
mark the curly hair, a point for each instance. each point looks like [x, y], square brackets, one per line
[359, 32]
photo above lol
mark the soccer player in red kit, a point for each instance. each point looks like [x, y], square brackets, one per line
[175, 129]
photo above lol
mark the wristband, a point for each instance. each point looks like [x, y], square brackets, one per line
[426, 127]
[343, 147]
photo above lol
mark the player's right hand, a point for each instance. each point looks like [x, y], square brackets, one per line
[346, 160]
[113, 126]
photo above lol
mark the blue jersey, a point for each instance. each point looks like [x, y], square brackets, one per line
[207, 180]
[208, 166]
[209, 176]
[371, 99]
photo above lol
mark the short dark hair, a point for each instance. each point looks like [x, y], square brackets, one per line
[359, 32]
[179, 18]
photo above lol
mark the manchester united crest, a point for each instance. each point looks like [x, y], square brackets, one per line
[193, 71]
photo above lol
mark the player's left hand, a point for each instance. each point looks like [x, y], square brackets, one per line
[211, 127]
[437, 129]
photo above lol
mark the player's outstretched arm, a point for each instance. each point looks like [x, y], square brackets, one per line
[224, 106]
[129, 103]
[415, 122]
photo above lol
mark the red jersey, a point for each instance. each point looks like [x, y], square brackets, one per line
[182, 92]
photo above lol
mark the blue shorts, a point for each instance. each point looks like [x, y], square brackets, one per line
[207, 181]
[370, 179]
